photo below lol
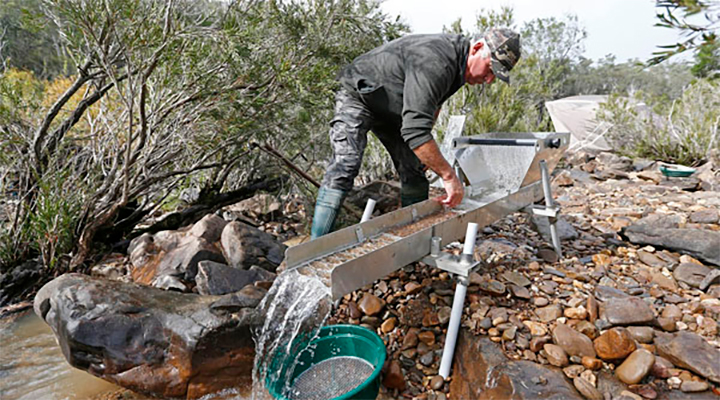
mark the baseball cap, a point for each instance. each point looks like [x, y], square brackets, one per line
[504, 47]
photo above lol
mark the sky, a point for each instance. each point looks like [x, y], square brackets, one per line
[620, 27]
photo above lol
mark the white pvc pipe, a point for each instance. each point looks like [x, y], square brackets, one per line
[470, 236]
[453, 328]
[369, 208]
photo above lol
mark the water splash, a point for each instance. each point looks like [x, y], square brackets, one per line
[296, 305]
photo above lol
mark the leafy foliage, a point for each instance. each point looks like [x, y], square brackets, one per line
[698, 36]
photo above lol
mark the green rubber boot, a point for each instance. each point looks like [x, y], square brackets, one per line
[415, 193]
[326, 210]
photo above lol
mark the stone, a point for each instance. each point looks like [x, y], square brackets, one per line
[537, 343]
[573, 371]
[218, 279]
[709, 279]
[587, 389]
[591, 363]
[672, 312]
[479, 359]
[575, 313]
[605, 293]
[555, 355]
[701, 244]
[694, 386]
[509, 334]
[388, 325]
[492, 287]
[661, 368]
[667, 324]
[394, 377]
[244, 246]
[410, 340]
[426, 337]
[444, 314]
[574, 343]
[549, 313]
[587, 329]
[516, 278]
[180, 262]
[536, 328]
[519, 292]
[427, 359]
[706, 216]
[635, 367]
[371, 304]
[412, 313]
[125, 333]
[614, 345]
[690, 351]
[210, 228]
[565, 230]
[412, 287]
[548, 255]
[437, 382]
[691, 273]
[627, 311]
[592, 308]
[643, 334]
[651, 259]
[665, 282]
[540, 301]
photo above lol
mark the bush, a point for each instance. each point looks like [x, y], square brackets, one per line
[682, 131]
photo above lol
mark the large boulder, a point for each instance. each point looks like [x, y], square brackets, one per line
[690, 351]
[482, 371]
[161, 343]
[701, 244]
[245, 246]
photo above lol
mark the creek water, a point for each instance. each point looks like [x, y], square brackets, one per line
[32, 366]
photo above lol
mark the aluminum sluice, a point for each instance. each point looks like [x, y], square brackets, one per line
[503, 173]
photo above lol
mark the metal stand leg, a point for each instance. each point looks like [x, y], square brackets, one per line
[369, 208]
[458, 303]
[550, 205]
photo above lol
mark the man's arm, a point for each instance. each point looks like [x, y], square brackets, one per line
[429, 154]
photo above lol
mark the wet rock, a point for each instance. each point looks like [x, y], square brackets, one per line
[643, 334]
[691, 273]
[555, 355]
[180, 262]
[218, 279]
[615, 344]
[125, 333]
[388, 325]
[394, 377]
[587, 389]
[574, 343]
[371, 304]
[477, 358]
[549, 313]
[690, 351]
[627, 311]
[701, 244]
[245, 246]
[635, 367]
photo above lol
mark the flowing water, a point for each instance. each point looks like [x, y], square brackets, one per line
[32, 366]
[296, 305]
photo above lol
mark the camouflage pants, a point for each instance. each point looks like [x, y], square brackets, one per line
[348, 136]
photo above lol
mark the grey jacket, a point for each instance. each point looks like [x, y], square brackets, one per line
[404, 82]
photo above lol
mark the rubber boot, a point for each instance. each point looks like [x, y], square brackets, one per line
[414, 193]
[326, 210]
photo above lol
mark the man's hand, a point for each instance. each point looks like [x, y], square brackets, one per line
[429, 154]
[454, 191]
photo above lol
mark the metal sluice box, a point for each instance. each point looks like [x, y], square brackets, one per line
[502, 173]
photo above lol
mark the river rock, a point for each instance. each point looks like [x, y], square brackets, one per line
[218, 279]
[556, 355]
[394, 377]
[492, 287]
[635, 367]
[180, 262]
[690, 351]
[573, 342]
[478, 359]
[516, 278]
[605, 293]
[615, 344]
[711, 278]
[701, 244]
[706, 216]
[549, 313]
[371, 304]
[694, 386]
[564, 229]
[587, 389]
[245, 246]
[627, 311]
[157, 342]
[691, 273]
[643, 334]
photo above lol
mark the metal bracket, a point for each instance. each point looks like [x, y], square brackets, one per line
[360, 235]
[544, 211]
[456, 264]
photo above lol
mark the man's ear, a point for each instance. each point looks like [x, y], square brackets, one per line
[477, 47]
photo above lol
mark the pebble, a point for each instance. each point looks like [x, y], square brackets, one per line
[555, 355]
[587, 329]
[635, 367]
[694, 386]
[537, 343]
[394, 377]
[573, 371]
[575, 313]
[371, 304]
[388, 325]
[540, 301]
[573, 342]
[587, 389]
[628, 311]
[437, 382]
[413, 287]
[643, 334]
[591, 363]
[549, 313]
[410, 340]
[427, 337]
[615, 344]
[536, 328]
[509, 334]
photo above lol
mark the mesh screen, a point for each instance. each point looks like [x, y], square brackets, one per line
[330, 378]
